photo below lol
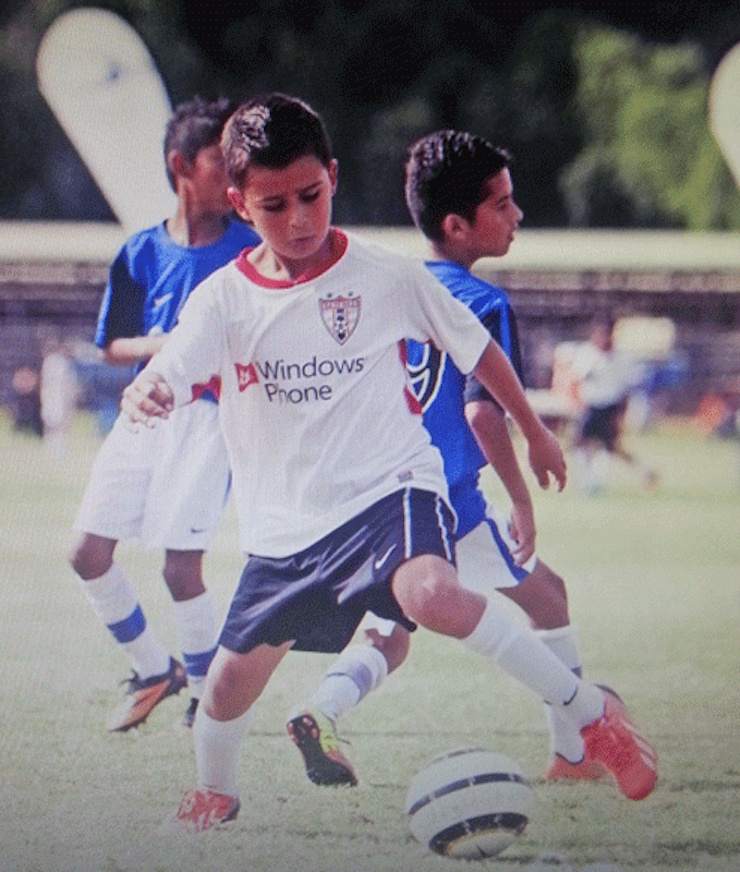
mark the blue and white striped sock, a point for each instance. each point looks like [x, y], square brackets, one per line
[117, 607]
[198, 630]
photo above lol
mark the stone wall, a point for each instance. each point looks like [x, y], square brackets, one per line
[62, 298]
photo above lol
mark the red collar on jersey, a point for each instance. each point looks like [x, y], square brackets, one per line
[337, 246]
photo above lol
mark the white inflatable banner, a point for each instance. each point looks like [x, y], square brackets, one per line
[724, 109]
[100, 81]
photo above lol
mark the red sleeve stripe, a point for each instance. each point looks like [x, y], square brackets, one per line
[213, 385]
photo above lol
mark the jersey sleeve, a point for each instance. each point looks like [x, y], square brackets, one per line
[449, 324]
[191, 359]
[122, 308]
[502, 327]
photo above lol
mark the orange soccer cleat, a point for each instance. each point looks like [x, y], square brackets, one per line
[614, 741]
[561, 769]
[143, 695]
[203, 809]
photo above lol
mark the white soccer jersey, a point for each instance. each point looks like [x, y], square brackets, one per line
[604, 377]
[314, 405]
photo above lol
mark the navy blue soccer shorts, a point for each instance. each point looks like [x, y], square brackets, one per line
[316, 598]
[601, 424]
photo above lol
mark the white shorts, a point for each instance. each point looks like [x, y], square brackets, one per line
[484, 559]
[484, 564]
[165, 485]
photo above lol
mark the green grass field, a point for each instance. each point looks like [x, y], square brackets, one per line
[654, 583]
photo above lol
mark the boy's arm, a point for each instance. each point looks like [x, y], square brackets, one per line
[488, 424]
[120, 325]
[545, 455]
[130, 350]
[189, 360]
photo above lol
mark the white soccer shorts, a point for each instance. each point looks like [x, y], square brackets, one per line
[165, 485]
[484, 561]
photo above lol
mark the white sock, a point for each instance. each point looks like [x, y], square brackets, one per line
[115, 603]
[565, 739]
[514, 647]
[217, 750]
[601, 464]
[197, 630]
[357, 671]
[563, 642]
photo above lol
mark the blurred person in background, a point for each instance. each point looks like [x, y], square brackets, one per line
[603, 379]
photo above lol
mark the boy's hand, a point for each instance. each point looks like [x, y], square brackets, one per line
[146, 398]
[546, 458]
[522, 531]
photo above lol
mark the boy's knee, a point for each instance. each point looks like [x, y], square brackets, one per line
[554, 583]
[183, 575]
[91, 556]
[439, 599]
[434, 598]
[544, 598]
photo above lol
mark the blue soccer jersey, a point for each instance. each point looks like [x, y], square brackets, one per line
[443, 390]
[151, 277]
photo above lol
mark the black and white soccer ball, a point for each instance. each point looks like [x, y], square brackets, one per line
[469, 803]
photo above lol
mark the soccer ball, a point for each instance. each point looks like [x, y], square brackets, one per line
[469, 803]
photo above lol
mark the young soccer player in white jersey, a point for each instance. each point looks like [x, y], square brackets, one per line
[460, 194]
[170, 488]
[603, 377]
[341, 496]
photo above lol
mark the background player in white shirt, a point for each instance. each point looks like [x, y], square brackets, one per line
[168, 489]
[341, 496]
[603, 379]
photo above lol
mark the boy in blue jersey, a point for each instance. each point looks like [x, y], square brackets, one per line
[460, 195]
[169, 489]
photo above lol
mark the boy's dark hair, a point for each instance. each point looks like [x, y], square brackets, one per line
[272, 131]
[195, 125]
[446, 173]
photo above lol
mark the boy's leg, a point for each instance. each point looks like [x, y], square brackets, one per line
[155, 674]
[234, 683]
[359, 669]
[185, 499]
[353, 675]
[111, 510]
[195, 619]
[543, 598]
[426, 589]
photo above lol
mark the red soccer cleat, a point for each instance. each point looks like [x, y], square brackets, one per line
[561, 769]
[614, 741]
[203, 809]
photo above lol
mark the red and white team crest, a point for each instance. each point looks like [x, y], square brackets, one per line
[340, 316]
[245, 375]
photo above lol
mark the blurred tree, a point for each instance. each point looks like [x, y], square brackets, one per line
[519, 96]
[624, 117]
[649, 159]
[528, 108]
[41, 175]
